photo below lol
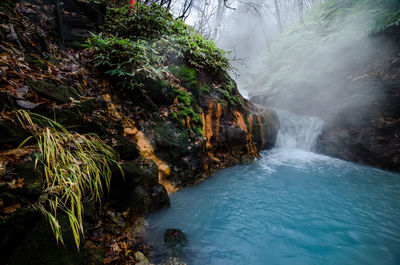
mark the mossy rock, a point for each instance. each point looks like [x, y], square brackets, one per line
[73, 118]
[188, 77]
[36, 62]
[159, 92]
[33, 179]
[11, 136]
[86, 106]
[62, 94]
[170, 142]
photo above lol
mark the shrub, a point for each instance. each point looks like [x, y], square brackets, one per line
[125, 58]
[149, 39]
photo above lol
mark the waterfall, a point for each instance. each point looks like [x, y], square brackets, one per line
[298, 132]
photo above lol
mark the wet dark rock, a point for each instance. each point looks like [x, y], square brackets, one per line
[159, 198]
[87, 106]
[265, 126]
[14, 228]
[40, 246]
[367, 134]
[75, 118]
[160, 92]
[11, 135]
[32, 177]
[122, 186]
[6, 101]
[93, 256]
[174, 237]
[127, 150]
[138, 189]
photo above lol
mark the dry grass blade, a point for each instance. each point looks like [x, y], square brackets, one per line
[75, 166]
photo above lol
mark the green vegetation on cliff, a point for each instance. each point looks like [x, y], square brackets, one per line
[144, 42]
[142, 50]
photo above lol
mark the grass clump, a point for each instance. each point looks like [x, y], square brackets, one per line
[75, 167]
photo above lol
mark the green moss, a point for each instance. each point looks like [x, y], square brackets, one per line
[185, 111]
[230, 84]
[176, 119]
[238, 100]
[205, 88]
[198, 131]
[222, 102]
[36, 62]
[197, 119]
[187, 75]
[184, 97]
[198, 109]
[169, 135]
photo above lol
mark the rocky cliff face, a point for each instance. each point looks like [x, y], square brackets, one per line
[168, 134]
[371, 137]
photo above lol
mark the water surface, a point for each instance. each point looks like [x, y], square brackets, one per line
[291, 206]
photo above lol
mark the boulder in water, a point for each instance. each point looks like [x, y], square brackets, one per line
[174, 237]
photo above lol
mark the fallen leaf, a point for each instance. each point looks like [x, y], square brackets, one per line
[15, 184]
[16, 154]
[11, 208]
[2, 168]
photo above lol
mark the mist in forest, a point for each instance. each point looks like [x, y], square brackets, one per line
[315, 64]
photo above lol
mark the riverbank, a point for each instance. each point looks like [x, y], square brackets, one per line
[162, 121]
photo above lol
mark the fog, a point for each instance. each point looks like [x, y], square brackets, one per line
[320, 67]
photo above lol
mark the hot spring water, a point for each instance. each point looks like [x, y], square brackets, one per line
[291, 206]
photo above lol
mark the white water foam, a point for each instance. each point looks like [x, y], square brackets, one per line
[298, 132]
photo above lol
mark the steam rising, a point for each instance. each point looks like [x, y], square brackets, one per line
[318, 68]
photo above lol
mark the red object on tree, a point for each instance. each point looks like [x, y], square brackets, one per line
[133, 6]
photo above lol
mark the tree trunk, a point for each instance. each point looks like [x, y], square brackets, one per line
[278, 16]
[301, 11]
[218, 19]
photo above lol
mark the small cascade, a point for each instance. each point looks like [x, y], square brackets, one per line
[298, 132]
